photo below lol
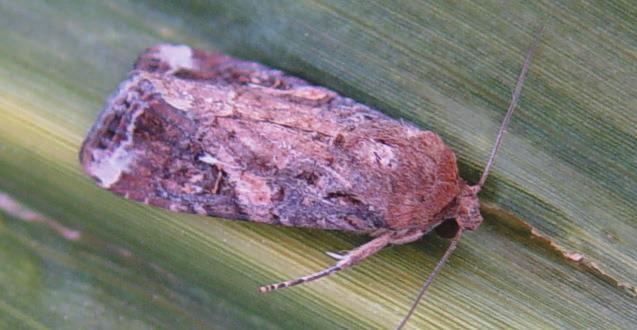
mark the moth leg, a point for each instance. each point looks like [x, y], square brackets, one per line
[407, 237]
[350, 259]
[338, 255]
[334, 255]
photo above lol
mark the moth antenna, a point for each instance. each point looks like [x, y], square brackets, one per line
[432, 276]
[514, 101]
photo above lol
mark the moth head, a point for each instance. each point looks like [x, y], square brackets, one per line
[464, 214]
[468, 212]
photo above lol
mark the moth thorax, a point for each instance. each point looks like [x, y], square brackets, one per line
[468, 212]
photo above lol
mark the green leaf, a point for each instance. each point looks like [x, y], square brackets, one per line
[564, 184]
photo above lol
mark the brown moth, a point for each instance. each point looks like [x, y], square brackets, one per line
[199, 132]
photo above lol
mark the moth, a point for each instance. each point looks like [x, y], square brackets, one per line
[204, 133]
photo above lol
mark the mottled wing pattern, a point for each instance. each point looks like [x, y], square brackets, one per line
[203, 133]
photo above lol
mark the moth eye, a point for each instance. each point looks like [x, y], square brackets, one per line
[448, 228]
